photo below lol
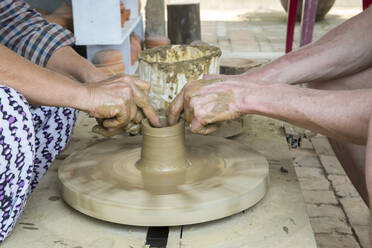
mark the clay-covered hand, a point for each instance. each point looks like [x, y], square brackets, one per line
[133, 128]
[117, 100]
[208, 102]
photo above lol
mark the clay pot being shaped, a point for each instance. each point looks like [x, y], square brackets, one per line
[163, 155]
[156, 41]
[323, 7]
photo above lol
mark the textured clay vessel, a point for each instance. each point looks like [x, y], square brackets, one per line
[163, 179]
[170, 68]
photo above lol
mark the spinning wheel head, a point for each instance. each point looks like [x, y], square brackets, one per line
[163, 179]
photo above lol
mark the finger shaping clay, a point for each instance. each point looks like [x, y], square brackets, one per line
[163, 178]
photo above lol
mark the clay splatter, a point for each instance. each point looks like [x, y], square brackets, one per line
[26, 223]
[30, 228]
[54, 198]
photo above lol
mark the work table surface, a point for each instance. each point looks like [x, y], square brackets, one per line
[279, 220]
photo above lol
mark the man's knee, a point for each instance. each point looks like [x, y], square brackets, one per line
[359, 80]
[369, 161]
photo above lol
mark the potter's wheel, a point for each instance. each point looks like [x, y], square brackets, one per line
[221, 178]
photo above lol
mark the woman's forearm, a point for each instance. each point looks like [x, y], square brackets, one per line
[345, 50]
[39, 85]
[66, 61]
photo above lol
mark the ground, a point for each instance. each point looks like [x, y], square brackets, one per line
[257, 29]
[338, 215]
[251, 27]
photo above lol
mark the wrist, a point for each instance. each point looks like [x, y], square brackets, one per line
[91, 75]
[81, 98]
[260, 98]
[277, 72]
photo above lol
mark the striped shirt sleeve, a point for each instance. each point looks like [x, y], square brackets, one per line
[24, 31]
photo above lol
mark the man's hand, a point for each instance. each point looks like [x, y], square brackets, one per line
[207, 102]
[116, 101]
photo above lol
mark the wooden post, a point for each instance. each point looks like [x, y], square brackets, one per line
[155, 18]
[184, 23]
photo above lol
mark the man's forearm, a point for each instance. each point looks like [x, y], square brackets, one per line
[345, 50]
[66, 61]
[338, 114]
[39, 85]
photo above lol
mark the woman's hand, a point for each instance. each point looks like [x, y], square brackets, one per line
[116, 101]
[207, 102]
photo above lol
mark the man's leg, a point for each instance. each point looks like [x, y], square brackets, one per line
[351, 157]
